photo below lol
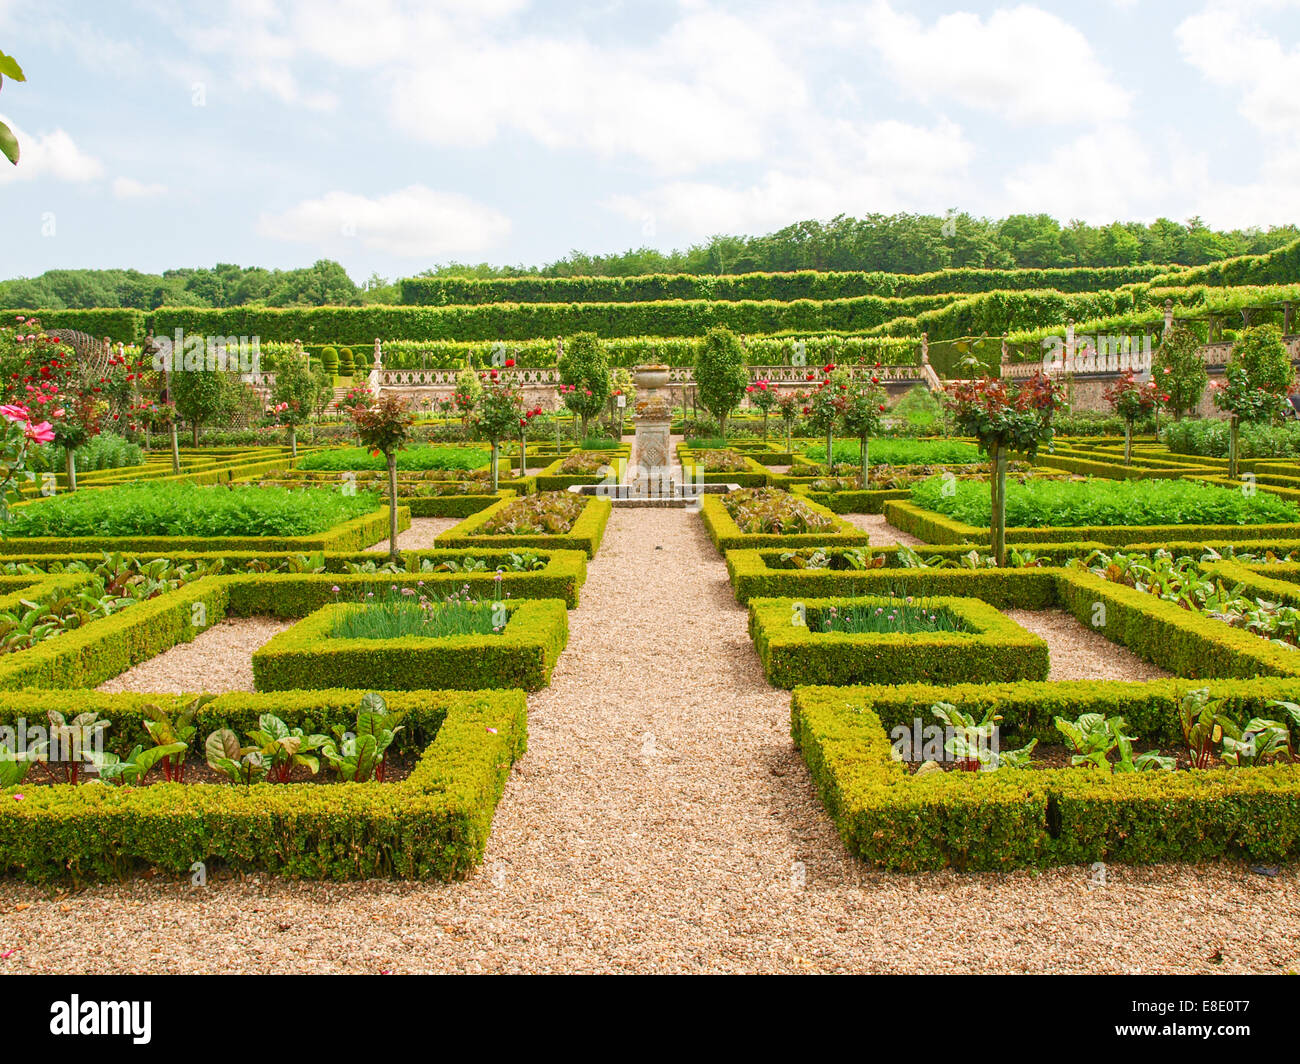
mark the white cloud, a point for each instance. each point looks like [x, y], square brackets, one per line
[678, 102]
[49, 156]
[128, 188]
[411, 222]
[1023, 63]
[1117, 174]
[884, 166]
[1233, 52]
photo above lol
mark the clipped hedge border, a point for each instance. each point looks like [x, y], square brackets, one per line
[552, 479]
[356, 534]
[726, 534]
[274, 593]
[298, 594]
[585, 535]
[995, 649]
[1034, 818]
[936, 528]
[521, 656]
[752, 577]
[1184, 643]
[854, 501]
[754, 475]
[434, 824]
[87, 656]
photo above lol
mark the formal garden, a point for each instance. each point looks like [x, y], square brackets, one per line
[305, 622]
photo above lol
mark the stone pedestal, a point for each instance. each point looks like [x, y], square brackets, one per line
[651, 465]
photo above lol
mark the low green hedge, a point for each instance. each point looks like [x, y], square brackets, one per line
[434, 824]
[1034, 818]
[1182, 641]
[87, 656]
[351, 535]
[936, 528]
[995, 648]
[552, 479]
[726, 534]
[298, 594]
[752, 576]
[585, 535]
[848, 502]
[521, 656]
[754, 475]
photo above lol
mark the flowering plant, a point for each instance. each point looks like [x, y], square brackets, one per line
[1003, 420]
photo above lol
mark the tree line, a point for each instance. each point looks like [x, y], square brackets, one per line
[898, 243]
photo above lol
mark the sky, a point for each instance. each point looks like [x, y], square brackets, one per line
[395, 135]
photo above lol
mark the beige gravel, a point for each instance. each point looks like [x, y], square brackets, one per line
[220, 659]
[882, 533]
[661, 821]
[421, 534]
[1076, 652]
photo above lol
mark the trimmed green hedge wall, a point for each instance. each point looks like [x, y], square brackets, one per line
[521, 656]
[726, 534]
[1034, 818]
[585, 535]
[996, 648]
[434, 824]
[799, 284]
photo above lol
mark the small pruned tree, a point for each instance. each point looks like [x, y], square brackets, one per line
[294, 395]
[863, 413]
[1131, 400]
[720, 374]
[1180, 371]
[1254, 385]
[584, 375]
[384, 426]
[498, 414]
[1003, 420]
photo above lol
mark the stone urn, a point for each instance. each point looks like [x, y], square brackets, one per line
[654, 411]
[651, 377]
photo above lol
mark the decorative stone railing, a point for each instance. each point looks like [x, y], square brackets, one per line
[677, 375]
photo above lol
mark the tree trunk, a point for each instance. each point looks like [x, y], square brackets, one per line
[1234, 426]
[393, 554]
[293, 440]
[70, 467]
[830, 441]
[789, 426]
[866, 461]
[194, 428]
[1128, 441]
[765, 426]
[176, 451]
[999, 494]
[523, 457]
[494, 467]
[722, 427]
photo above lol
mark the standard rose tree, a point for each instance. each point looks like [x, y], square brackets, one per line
[1254, 385]
[1131, 399]
[498, 414]
[1003, 420]
[863, 413]
[384, 426]
[763, 398]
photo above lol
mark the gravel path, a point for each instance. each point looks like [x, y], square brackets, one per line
[662, 821]
[420, 535]
[1076, 652]
[220, 659]
[882, 533]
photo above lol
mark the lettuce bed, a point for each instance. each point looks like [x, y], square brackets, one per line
[343, 458]
[186, 510]
[1054, 503]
